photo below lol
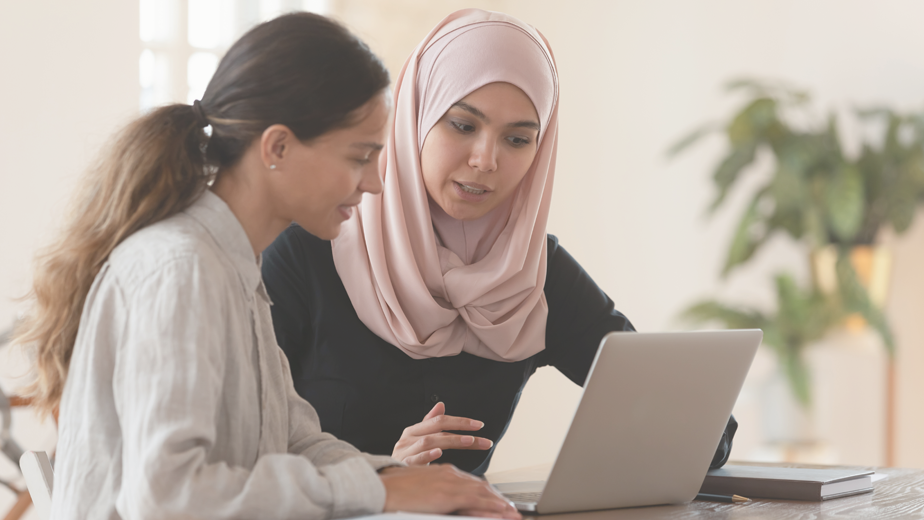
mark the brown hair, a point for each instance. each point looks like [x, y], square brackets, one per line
[300, 70]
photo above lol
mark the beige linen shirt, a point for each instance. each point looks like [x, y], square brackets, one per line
[180, 404]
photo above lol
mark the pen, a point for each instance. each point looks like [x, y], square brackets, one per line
[721, 498]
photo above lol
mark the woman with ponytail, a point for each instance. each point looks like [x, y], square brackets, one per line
[151, 328]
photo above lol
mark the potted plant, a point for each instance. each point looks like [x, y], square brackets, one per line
[832, 202]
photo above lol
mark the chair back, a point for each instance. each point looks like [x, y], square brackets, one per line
[8, 446]
[40, 478]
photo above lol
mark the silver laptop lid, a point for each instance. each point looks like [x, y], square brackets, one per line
[652, 413]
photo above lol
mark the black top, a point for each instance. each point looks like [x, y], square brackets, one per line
[367, 391]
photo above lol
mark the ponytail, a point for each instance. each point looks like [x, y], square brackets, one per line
[154, 170]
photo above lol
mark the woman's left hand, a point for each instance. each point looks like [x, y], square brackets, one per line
[425, 441]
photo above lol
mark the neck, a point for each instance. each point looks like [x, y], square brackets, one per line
[250, 201]
[471, 240]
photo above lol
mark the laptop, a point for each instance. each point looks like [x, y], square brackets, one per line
[650, 418]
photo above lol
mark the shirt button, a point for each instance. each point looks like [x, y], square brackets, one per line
[435, 398]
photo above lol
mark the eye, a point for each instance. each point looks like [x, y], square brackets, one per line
[518, 141]
[362, 161]
[462, 126]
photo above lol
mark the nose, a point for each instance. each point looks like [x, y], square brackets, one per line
[371, 181]
[484, 155]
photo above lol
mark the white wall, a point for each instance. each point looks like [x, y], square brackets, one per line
[68, 78]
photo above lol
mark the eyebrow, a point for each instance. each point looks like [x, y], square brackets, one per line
[373, 146]
[480, 115]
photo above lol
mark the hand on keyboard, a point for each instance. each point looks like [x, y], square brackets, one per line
[442, 489]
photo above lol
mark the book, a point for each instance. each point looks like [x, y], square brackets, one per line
[787, 483]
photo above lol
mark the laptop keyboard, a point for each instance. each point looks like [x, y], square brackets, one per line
[532, 496]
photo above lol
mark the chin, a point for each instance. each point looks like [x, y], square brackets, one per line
[465, 216]
[328, 232]
[466, 212]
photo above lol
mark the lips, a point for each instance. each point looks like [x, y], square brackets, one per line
[470, 191]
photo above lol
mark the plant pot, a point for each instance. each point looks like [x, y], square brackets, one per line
[873, 265]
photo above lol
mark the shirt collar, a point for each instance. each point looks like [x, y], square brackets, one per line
[224, 227]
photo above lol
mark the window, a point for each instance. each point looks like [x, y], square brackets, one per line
[184, 39]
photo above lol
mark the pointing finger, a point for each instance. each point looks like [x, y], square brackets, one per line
[437, 410]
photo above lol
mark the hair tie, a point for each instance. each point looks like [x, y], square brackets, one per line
[200, 114]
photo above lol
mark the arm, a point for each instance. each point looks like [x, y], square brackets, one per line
[437, 489]
[169, 380]
[580, 314]
[287, 282]
[307, 439]
[293, 286]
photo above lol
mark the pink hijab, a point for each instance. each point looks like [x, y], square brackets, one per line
[427, 283]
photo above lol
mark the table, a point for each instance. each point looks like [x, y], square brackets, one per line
[901, 495]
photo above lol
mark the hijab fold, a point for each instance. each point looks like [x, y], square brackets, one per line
[425, 282]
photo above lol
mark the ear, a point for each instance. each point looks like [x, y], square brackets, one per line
[275, 145]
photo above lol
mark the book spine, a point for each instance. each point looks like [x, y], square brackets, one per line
[761, 488]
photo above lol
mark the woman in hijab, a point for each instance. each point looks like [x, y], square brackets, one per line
[444, 293]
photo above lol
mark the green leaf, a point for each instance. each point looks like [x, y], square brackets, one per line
[789, 219]
[746, 239]
[873, 113]
[763, 88]
[731, 317]
[814, 226]
[830, 141]
[856, 299]
[691, 138]
[798, 374]
[845, 202]
[756, 87]
[788, 187]
[729, 169]
[751, 124]
[903, 208]
[913, 170]
[892, 144]
[774, 338]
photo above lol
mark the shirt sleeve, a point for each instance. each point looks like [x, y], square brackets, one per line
[580, 315]
[168, 383]
[307, 439]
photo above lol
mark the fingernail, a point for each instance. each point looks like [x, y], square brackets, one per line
[467, 440]
[477, 424]
[434, 452]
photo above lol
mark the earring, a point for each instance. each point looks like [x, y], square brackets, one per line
[272, 167]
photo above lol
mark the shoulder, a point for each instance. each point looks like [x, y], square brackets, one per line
[553, 245]
[561, 266]
[178, 247]
[295, 242]
[296, 253]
